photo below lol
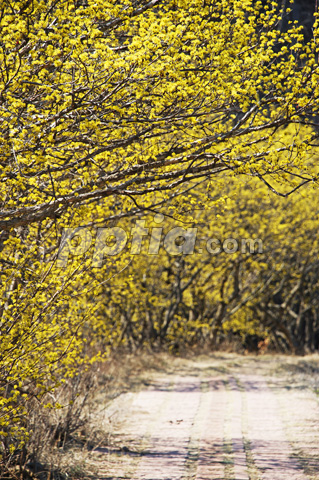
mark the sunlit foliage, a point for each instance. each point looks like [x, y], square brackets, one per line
[113, 109]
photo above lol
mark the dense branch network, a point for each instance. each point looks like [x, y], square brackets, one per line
[83, 119]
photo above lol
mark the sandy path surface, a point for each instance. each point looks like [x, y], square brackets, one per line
[211, 421]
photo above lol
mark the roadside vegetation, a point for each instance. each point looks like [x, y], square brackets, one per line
[158, 192]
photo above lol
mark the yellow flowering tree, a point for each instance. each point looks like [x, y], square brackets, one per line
[242, 268]
[109, 109]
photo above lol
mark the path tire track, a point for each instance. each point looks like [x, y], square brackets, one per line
[195, 427]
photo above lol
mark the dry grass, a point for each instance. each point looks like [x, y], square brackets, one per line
[60, 446]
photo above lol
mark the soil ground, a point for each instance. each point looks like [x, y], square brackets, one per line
[221, 417]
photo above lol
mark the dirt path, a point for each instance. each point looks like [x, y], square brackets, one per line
[224, 418]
